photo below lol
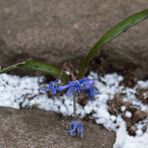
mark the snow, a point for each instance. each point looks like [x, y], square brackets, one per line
[123, 140]
[25, 92]
[123, 108]
[142, 84]
[128, 114]
[113, 118]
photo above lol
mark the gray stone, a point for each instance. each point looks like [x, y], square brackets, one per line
[39, 129]
[55, 31]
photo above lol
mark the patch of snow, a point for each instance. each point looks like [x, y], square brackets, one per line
[123, 140]
[113, 118]
[128, 114]
[123, 108]
[142, 84]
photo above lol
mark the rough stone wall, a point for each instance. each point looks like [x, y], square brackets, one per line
[54, 31]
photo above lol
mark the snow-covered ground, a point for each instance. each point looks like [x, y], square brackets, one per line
[26, 92]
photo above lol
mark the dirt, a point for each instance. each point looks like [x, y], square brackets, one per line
[137, 114]
[39, 129]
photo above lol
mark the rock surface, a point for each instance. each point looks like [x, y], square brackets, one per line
[38, 129]
[55, 31]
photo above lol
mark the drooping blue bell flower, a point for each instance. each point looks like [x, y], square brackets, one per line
[53, 87]
[88, 88]
[76, 128]
[73, 87]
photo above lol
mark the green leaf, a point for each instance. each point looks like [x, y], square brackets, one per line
[115, 31]
[34, 65]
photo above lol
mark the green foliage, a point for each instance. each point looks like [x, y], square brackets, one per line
[34, 65]
[115, 31]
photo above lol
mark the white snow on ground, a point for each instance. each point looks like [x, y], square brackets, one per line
[123, 140]
[25, 92]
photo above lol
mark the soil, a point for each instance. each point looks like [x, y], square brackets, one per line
[137, 114]
[40, 129]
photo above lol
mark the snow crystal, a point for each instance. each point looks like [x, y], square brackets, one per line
[128, 114]
[123, 108]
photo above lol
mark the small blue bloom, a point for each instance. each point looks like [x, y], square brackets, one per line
[73, 87]
[53, 87]
[88, 87]
[76, 129]
[91, 92]
[85, 82]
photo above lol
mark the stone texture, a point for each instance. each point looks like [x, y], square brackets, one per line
[39, 129]
[55, 31]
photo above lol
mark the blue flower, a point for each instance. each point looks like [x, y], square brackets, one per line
[73, 87]
[91, 92]
[76, 129]
[53, 87]
[88, 87]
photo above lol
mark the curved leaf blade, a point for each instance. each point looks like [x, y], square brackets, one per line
[34, 65]
[115, 31]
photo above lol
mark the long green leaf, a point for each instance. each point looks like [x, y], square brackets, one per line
[111, 34]
[34, 65]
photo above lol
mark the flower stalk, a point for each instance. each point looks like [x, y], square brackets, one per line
[74, 107]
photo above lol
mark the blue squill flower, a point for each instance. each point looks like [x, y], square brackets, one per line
[85, 82]
[53, 87]
[91, 92]
[88, 87]
[76, 129]
[73, 87]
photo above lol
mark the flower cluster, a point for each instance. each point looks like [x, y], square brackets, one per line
[76, 87]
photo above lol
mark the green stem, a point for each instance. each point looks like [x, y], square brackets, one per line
[74, 106]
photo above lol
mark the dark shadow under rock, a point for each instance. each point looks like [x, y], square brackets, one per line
[39, 129]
